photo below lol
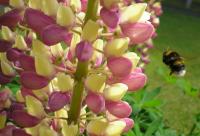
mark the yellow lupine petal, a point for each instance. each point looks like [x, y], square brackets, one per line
[19, 97]
[35, 4]
[76, 38]
[16, 3]
[57, 50]
[46, 131]
[97, 127]
[65, 16]
[2, 120]
[136, 11]
[43, 66]
[75, 4]
[115, 128]
[96, 82]
[50, 7]
[69, 130]
[109, 3]
[98, 44]
[90, 31]
[38, 48]
[33, 131]
[64, 82]
[7, 69]
[133, 57]
[62, 113]
[20, 43]
[7, 34]
[115, 92]
[34, 106]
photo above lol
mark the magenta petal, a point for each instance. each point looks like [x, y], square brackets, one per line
[23, 119]
[84, 51]
[25, 92]
[54, 34]
[37, 20]
[11, 18]
[27, 62]
[58, 100]
[110, 18]
[129, 124]
[14, 107]
[20, 132]
[5, 45]
[13, 54]
[5, 79]
[119, 109]
[95, 102]
[7, 131]
[31, 80]
[135, 81]
[138, 32]
[119, 66]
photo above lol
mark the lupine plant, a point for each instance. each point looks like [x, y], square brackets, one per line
[74, 66]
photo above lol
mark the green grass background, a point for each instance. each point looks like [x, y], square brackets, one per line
[179, 32]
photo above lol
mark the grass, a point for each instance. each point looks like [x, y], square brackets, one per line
[181, 33]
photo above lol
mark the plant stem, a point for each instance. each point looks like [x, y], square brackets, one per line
[81, 72]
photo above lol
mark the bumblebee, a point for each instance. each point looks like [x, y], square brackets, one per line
[175, 62]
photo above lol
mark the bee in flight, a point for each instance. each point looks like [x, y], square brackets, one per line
[175, 62]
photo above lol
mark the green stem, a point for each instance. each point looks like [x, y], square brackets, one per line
[81, 72]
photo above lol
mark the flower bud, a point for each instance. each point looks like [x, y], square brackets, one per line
[95, 102]
[76, 5]
[119, 109]
[138, 32]
[133, 57]
[110, 18]
[129, 124]
[7, 34]
[84, 51]
[135, 81]
[64, 82]
[20, 132]
[115, 128]
[50, 7]
[11, 18]
[119, 66]
[31, 104]
[20, 43]
[115, 92]
[23, 119]
[16, 3]
[136, 11]
[65, 16]
[58, 100]
[95, 82]
[33, 81]
[97, 127]
[3, 118]
[43, 66]
[27, 62]
[116, 47]
[90, 31]
[37, 20]
[5, 45]
[54, 34]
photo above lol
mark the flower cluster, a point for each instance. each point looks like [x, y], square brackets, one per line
[73, 63]
[154, 7]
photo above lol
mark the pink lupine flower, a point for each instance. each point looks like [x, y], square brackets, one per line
[27, 62]
[58, 100]
[5, 79]
[11, 18]
[84, 51]
[7, 131]
[119, 109]
[37, 20]
[110, 18]
[54, 34]
[23, 119]
[13, 54]
[84, 5]
[20, 132]
[25, 92]
[135, 81]
[5, 45]
[119, 66]
[129, 124]
[138, 32]
[31, 80]
[95, 102]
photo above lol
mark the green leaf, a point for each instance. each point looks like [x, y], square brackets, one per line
[137, 130]
[151, 94]
[153, 103]
[153, 127]
[130, 133]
